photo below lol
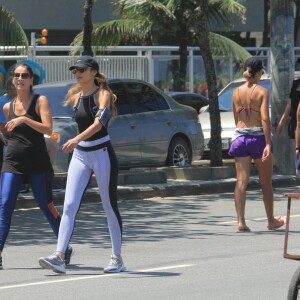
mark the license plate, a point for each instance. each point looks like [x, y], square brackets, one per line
[225, 145]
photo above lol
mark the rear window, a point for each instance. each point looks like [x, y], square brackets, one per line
[122, 103]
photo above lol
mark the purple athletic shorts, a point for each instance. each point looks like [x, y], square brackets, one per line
[298, 163]
[248, 145]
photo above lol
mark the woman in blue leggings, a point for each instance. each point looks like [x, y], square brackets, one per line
[29, 118]
[93, 104]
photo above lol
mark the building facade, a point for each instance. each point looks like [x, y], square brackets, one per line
[64, 18]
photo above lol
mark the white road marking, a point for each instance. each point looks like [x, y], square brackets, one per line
[91, 277]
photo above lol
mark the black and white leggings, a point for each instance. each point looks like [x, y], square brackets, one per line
[103, 162]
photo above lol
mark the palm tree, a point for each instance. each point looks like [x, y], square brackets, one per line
[141, 20]
[88, 28]
[11, 33]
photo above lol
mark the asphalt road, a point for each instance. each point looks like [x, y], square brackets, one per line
[174, 248]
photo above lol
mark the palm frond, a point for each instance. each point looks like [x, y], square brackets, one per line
[144, 9]
[220, 10]
[114, 33]
[11, 32]
[221, 45]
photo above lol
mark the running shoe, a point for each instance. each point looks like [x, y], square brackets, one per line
[115, 265]
[54, 263]
[68, 254]
[1, 267]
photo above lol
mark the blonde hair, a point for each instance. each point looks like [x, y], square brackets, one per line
[70, 97]
[248, 73]
[100, 81]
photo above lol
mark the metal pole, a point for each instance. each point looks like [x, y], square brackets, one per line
[150, 67]
[32, 52]
[191, 69]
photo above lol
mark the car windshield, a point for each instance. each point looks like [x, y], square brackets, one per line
[56, 96]
[225, 97]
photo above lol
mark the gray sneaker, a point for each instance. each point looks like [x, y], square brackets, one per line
[1, 267]
[54, 263]
[68, 254]
[115, 265]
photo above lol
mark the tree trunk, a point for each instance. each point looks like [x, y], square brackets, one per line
[179, 72]
[88, 28]
[202, 37]
[282, 70]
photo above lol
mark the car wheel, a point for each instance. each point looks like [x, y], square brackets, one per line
[179, 153]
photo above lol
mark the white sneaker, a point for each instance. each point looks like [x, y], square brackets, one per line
[115, 265]
[54, 263]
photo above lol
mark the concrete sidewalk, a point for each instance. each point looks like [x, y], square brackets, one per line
[143, 183]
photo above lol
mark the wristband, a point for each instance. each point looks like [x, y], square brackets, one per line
[297, 148]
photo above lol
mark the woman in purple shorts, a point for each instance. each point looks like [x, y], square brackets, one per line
[252, 141]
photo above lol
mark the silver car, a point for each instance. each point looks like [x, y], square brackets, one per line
[151, 129]
[226, 115]
[197, 101]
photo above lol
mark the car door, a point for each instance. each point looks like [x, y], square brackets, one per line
[123, 131]
[154, 120]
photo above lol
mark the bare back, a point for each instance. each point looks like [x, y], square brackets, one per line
[250, 105]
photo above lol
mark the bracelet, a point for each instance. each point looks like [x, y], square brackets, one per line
[297, 148]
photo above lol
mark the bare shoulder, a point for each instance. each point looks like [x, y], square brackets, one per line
[104, 92]
[104, 98]
[235, 94]
[262, 90]
[42, 98]
[6, 106]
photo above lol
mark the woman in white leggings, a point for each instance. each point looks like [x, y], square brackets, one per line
[93, 104]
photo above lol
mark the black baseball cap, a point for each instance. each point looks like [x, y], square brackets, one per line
[254, 64]
[85, 61]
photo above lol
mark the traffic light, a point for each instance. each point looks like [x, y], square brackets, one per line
[44, 33]
[38, 39]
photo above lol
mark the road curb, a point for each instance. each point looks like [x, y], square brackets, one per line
[172, 188]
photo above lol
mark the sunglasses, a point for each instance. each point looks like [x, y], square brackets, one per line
[80, 70]
[22, 75]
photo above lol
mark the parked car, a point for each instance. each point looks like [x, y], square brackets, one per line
[194, 100]
[151, 128]
[226, 115]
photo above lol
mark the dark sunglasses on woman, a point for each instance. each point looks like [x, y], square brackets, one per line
[80, 70]
[22, 75]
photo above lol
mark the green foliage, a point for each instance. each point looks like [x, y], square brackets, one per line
[140, 20]
[11, 32]
[221, 45]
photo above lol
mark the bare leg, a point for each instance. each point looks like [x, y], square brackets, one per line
[243, 167]
[265, 171]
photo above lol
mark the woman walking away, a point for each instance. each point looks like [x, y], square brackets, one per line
[252, 141]
[94, 107]
[29, 118]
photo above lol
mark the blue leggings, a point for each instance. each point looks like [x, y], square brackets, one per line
[10, 186]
